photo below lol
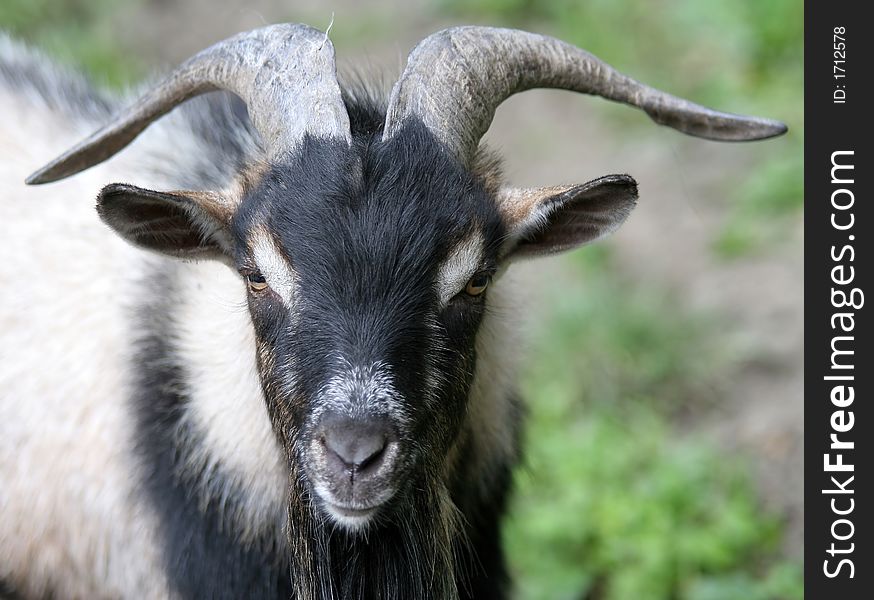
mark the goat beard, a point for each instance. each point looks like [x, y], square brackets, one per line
[410, 553]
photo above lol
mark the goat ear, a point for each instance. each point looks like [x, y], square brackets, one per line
[190, 225]
[554, 219]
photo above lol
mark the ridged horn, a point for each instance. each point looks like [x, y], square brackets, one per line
[285, 74]
[455, 79]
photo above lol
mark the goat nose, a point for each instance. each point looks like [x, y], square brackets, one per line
[359, 444]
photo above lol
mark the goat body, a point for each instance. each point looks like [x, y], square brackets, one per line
[334, 415]
[141, 461]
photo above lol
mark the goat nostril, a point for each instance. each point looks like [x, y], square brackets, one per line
[368, 453]
[357, 444]
[355, 453]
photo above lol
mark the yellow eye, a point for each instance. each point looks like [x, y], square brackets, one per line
[256, 282]
[478, 284]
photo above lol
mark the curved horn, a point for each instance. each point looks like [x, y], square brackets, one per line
[456, 78]
[285, 74]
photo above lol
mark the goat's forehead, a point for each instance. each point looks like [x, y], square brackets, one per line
[347, 219]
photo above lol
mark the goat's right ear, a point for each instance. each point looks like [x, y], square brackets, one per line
[554, 219]
[191, 225]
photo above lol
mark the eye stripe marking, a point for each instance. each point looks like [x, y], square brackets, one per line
[280, 276]
[464, 260]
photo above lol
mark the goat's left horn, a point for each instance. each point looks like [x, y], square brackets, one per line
[456, 78]
[285, 74]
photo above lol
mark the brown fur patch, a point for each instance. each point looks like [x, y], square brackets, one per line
[488, 167]
[518, 204]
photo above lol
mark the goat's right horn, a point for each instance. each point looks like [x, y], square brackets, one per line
[285, 74]
[456, 78]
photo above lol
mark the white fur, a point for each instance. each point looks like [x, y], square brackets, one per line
[374, 383]
[463, 262]
[72, 515]
[273, 266]
[216, 343]
[336, 510]
[350, 522]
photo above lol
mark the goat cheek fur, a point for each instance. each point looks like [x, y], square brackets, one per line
[319, 401]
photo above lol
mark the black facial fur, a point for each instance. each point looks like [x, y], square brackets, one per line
[365, 229]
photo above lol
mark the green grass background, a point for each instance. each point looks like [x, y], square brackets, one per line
[611, 503]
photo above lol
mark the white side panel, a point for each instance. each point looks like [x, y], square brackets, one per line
[68, 510]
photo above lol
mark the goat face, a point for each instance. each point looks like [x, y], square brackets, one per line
[366, 256]
[366, 271]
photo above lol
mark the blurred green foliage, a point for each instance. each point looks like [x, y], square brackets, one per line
[649, 519]
[611, 342]
[80, 33]
[612, 503]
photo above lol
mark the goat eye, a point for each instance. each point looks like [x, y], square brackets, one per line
[477, 284]
[256, 282]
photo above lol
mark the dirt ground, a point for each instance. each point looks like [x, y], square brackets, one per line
[552, 137]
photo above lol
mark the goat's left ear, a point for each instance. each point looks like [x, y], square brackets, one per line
[554, 219]
[190, 225]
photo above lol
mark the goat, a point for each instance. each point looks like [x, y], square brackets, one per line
[333, 416]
